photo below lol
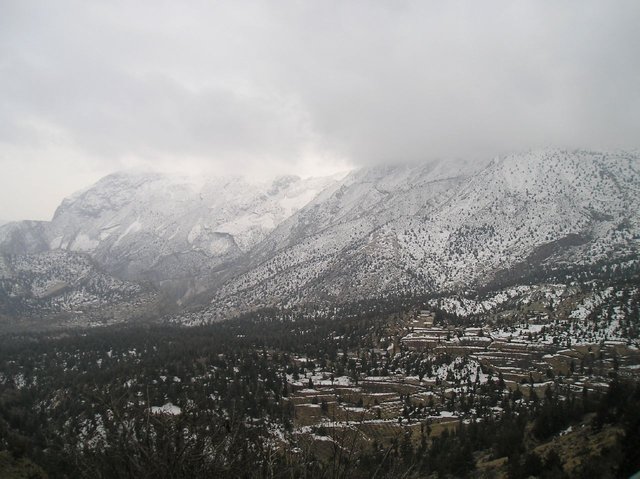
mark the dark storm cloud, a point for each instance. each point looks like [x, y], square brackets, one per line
[88, 87]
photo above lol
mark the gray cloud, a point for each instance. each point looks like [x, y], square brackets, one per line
[90, 87]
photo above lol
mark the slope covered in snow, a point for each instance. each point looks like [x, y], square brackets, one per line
[167, 230]
[67, 288]
[378, 232]
[440, 227]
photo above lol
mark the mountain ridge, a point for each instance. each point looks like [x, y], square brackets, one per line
[170, 231]
[385, 230]
[439, 241]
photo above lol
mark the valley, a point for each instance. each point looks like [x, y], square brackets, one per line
[427, 320]
[485, 385]
[319, 240]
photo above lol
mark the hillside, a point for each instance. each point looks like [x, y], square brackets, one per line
[170, 231]
[440, 226]
[68, 289]
[412, 230]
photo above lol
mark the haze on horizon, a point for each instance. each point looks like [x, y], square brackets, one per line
[308, 88]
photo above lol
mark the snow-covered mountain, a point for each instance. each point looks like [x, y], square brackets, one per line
[435, 227]
[381, 231]
[66, 288]
[170, 231]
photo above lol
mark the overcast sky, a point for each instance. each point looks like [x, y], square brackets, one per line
[307, 87]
